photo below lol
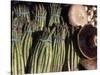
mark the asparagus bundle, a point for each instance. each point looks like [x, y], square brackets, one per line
[20, 18]
[58, 48]
[17, 58]
[42, 57]
[71, 52]
[55, 11]
[40, 16]
[21, 39]
[22, 11]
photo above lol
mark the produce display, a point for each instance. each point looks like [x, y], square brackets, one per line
[52, 37]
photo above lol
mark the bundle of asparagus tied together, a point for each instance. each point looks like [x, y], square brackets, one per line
[72, 56]
[40, 16]
[42, 57]
[58, 45]
[21, 39]
[55, 11]
[22, 11]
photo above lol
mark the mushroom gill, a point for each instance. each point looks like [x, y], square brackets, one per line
[87, 41]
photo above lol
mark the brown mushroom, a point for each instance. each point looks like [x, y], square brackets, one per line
[89, 64]
[78, 15]
[87, 41]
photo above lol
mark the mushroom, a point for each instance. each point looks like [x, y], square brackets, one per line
[94, 8]
[78, 15]
[87, 41]
[89, 64]
[86, 8]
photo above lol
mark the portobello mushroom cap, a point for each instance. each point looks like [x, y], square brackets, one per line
[78, 15]
[89, 64]
[87, 41]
